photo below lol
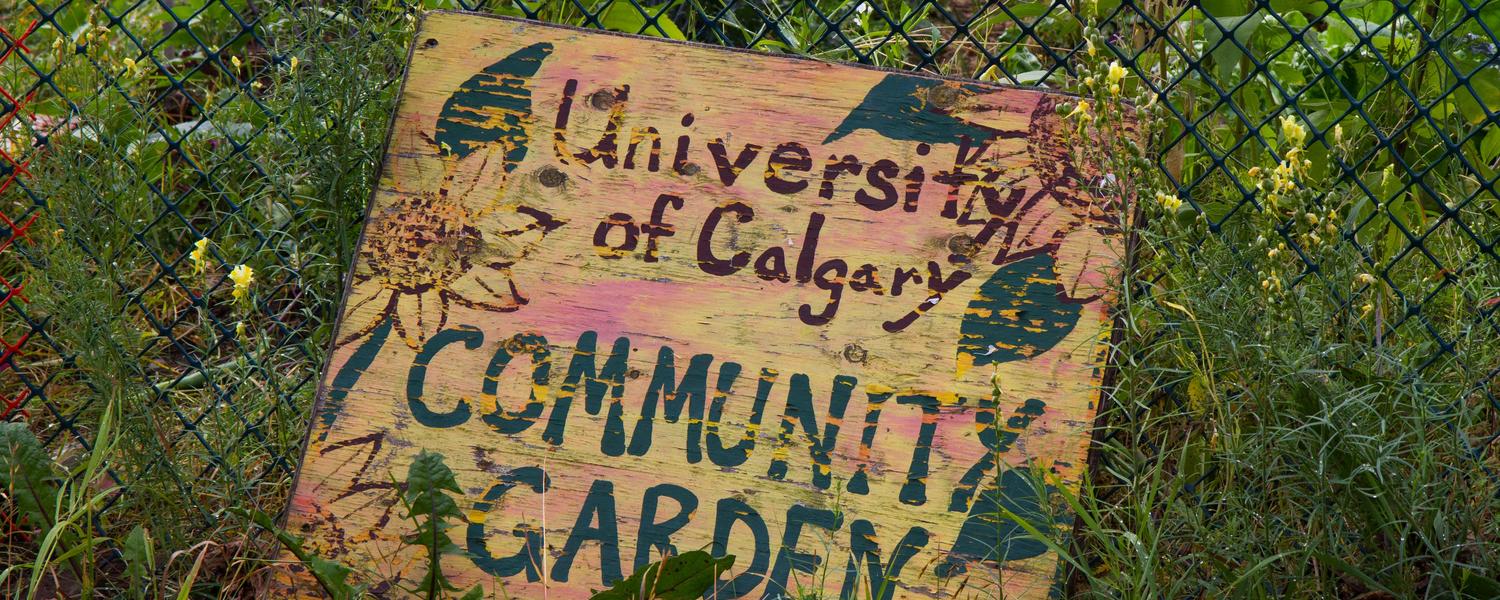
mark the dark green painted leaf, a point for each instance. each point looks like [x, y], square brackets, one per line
[492, 107]
[902, 107]
[991, 534]
[685, 576]
[1018, 313]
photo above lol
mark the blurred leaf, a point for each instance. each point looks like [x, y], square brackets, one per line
[26, 475]
[625, 16]
[1489, 148]
[140, 559]
[685, 576]
[1226, 50]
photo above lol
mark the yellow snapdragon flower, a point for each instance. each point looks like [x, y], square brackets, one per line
[243, 276]
[1081, 112]
[1292, 130]
[1170, 202]
[200, 255]
[1115, 76]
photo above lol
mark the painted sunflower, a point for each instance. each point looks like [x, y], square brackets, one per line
[452, 238]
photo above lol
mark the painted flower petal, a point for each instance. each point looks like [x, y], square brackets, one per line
[370, 311]
[488, 287]
[419, 316]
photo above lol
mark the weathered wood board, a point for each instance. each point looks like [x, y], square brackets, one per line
[647, 296]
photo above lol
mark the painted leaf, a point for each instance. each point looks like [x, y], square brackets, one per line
[990, 535]
[903, 107]
[1018, 313]
[492, 107]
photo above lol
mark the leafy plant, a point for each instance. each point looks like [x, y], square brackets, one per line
[427, 502]
[27, 476]
[139, 552]
[332, 576]
[685, 576]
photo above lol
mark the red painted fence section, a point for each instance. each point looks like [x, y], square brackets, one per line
[13, 166]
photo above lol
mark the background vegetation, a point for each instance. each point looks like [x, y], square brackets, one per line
[1305, 404]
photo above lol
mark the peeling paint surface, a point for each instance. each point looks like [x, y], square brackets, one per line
[649, 297]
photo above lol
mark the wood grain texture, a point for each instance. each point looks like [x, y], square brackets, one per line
[775, 337]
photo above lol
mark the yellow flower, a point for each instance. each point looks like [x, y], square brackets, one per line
[1081, 112]
[1366, 309]
[200, 255]
[129, 65]
[1088, 81]
[1338, 134]
[235, 60]
[1364, 279]
[1254, 172]
[1092, 51]
[1116, 75]
[293, 67]
[1292, 130]
[239, 329]
[243, 276]
[1170, 202]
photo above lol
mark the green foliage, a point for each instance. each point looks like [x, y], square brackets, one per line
[139, 552]
[332, 576]
[27, 476]
[685, 576]
[432, 509]
[1282, 439]
[628, 17]
[428, 504]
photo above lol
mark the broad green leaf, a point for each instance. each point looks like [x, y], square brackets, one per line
[685, 576]
[140, 559]
[1489, 148]
[1226, 49]
[625, 16]
[26, 475]
[474, 593]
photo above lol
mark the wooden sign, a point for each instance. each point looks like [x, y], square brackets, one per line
[649, 297]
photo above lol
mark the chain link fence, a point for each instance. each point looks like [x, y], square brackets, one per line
[148, 147]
